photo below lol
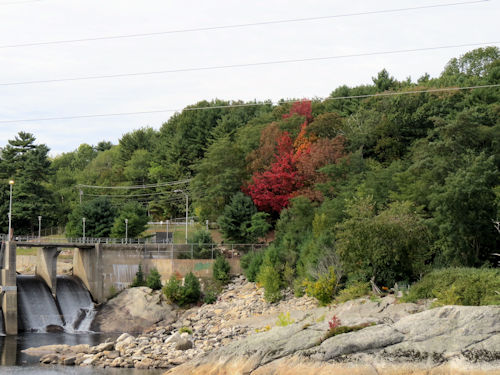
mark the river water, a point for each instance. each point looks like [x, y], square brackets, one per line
[13, 361]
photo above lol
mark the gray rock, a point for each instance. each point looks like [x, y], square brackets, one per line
[183, 344]
[430, 338]
[174, 338]
[133, 310]
[69, 361]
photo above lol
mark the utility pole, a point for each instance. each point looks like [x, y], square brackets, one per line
[126, 230]
[83, 223]
[81, 193]
[11, 182]
[168, 222]
[39, 228]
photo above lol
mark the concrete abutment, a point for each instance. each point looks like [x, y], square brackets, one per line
[9, 288]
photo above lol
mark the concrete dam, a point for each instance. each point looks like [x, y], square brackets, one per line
[50, 302]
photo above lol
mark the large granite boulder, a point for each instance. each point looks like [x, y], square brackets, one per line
[134, 310]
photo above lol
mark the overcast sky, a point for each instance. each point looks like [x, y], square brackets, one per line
[25, 21]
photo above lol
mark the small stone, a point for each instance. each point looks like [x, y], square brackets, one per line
[69, 361]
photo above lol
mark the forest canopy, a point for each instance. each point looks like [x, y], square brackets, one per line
[375, 187]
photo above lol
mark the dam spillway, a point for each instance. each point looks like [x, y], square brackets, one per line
[75, 304]
[39, 311]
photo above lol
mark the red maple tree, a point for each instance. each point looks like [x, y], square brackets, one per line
[272, 189]
[294, 170]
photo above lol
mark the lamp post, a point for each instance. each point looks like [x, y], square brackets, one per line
[11, 182]
[126, 230]
[168, 222]
[39, 228]
[187, 205]
[83, 224]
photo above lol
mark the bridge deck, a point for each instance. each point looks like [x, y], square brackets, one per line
[54, 244]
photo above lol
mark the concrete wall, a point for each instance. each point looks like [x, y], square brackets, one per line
[119, 267]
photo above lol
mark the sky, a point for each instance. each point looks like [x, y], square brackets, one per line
[33, 21]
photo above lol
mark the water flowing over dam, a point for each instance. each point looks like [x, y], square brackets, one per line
[39, 311]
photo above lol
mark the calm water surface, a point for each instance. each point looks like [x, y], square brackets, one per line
[13, 361]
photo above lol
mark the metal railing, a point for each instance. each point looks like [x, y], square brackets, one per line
[151, 247]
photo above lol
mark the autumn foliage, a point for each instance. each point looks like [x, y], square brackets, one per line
[295, 164]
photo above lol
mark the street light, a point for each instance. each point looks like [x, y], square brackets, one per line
[39, 228]
[83, 224]
[11, 182]
[126, 230]
[187, 203]
[168, 240]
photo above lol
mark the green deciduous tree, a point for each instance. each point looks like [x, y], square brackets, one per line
[464, 208]
[137, 218]
[99, 217]
[219, 176]
[390, 246]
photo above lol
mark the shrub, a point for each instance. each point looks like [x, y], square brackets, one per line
[251, 263]
[355, 290]
[186, 329]
[390, 245]
[284, 320]
[112, 292]
[139, 278]
[210, 296]
[345, 329]
[221, 270]
[270, 280]
[324, 288]
[153, 280]
[192, 290]
[173, 290]
[458, 286]
[334, 323]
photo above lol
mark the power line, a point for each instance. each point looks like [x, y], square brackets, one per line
[247, 104]
[20, 2]
[235, 26]
[130, 195]
[146, 186]
[245, 65]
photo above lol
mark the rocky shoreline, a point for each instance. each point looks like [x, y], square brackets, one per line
[240, 334]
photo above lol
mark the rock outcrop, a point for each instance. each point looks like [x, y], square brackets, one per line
[239, 334]
[134, 310]
[450, 339]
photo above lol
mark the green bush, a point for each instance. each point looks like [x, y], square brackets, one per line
[139, 278]
[251, 263]
[322, 289]
[192, 290]
[355, 290]
[183, 295]
[209, 297]
[173, 290]
[270, 279]
[186, 329]
[458, 286]
[212, 290]
[221, 270]
[153, 280]
[284, 319]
